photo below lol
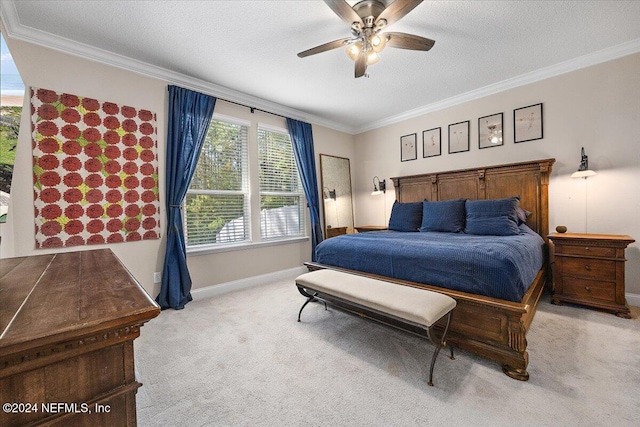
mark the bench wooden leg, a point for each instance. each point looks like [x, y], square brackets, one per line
[438, 345]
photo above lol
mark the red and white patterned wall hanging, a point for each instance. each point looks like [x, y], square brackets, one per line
[95, 171]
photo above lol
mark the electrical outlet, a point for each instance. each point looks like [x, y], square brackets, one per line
[157, 277]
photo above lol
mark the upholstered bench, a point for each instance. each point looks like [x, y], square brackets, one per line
[418, 307]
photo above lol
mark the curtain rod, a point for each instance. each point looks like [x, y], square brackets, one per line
[252, 109]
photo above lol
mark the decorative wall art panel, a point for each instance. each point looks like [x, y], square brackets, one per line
[95, 171]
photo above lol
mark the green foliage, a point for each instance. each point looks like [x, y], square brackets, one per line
[9, 129]
[220, 167]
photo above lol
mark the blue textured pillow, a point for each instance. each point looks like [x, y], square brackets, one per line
[496, 217]
[445, 215]
[523, 215]
[405, 216]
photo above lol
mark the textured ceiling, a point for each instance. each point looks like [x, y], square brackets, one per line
[251, 46]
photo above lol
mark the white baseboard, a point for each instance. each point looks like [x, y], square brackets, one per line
[223, 288]
[209, 291]
[633, 299]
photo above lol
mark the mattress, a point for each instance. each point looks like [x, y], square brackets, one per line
[501, 267]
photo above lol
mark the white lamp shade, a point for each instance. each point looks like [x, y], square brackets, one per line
[583, 174]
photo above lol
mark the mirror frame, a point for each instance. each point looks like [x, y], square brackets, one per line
[350, 228]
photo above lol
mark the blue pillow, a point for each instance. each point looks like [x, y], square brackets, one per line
[405, 216]
[522, 214]
[496, 217]
[445, 215]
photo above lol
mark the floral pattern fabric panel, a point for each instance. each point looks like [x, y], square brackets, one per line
[95, 171]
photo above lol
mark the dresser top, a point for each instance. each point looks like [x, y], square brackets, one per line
[620, 238]
[45, 298]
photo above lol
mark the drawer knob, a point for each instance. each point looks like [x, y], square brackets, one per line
[587, 288]
[586, 248]
[587, 267]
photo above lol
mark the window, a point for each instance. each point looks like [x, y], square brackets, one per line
[217, 202]
[281, 197]
[11, 97]
[245, 189]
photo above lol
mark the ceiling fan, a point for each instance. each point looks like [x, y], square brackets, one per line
[367, 19]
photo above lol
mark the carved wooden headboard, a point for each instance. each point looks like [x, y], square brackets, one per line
[529, 180]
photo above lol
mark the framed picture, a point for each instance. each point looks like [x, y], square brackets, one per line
[408, 149]
[490, 131]
[431, 142]
[527, 123]
[459, 137]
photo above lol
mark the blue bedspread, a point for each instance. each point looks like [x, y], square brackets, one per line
[496, 266]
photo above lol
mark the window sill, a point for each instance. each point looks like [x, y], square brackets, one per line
[205, 250]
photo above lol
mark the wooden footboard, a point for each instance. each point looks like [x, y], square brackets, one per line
[489, 327]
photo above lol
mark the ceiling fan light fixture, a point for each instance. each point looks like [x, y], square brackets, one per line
[354, 50]
[366, 19]
[378, 42]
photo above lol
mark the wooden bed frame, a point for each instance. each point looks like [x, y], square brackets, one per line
[489, 327]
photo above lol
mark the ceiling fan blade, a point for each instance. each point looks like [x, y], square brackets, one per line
[361, 64]
[327, 46]
[409, 41]
[397, 10]
[344, 11]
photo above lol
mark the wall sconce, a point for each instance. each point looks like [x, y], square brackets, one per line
[583, 170]
[329, 194]
[379, 187]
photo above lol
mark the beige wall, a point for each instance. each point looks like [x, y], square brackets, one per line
[596, 107]
[46, 68]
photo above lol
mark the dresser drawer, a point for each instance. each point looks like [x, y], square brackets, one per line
[589, 289]
[589, 268]
[586, 250]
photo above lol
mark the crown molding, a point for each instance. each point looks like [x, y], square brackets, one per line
[604, 55]
[16, 30]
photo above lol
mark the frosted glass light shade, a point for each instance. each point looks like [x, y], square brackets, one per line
[583, 174]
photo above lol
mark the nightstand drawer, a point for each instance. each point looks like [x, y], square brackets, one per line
[586, 250]
[589, 289]
[336, 231]
[589, 268]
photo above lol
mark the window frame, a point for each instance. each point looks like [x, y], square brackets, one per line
[252, 197]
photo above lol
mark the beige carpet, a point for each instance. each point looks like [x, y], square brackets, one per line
[241, 359]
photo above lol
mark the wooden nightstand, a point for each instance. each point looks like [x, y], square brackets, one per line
[365, 228]
[336, 231]
[589, 270]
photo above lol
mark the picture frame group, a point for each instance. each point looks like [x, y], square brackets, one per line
[527, 126]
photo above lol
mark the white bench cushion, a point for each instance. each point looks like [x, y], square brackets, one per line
[416, 305]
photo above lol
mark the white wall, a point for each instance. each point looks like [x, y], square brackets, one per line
[46, 68]
[596, 107]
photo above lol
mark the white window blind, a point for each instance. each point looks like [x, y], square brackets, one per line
[216, 206]
[281, 197]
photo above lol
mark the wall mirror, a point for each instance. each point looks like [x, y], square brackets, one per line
[335, 178]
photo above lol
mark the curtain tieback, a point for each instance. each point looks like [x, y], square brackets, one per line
[175, 206]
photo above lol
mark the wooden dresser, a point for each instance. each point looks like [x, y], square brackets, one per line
[67, 325]
[589, 270]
